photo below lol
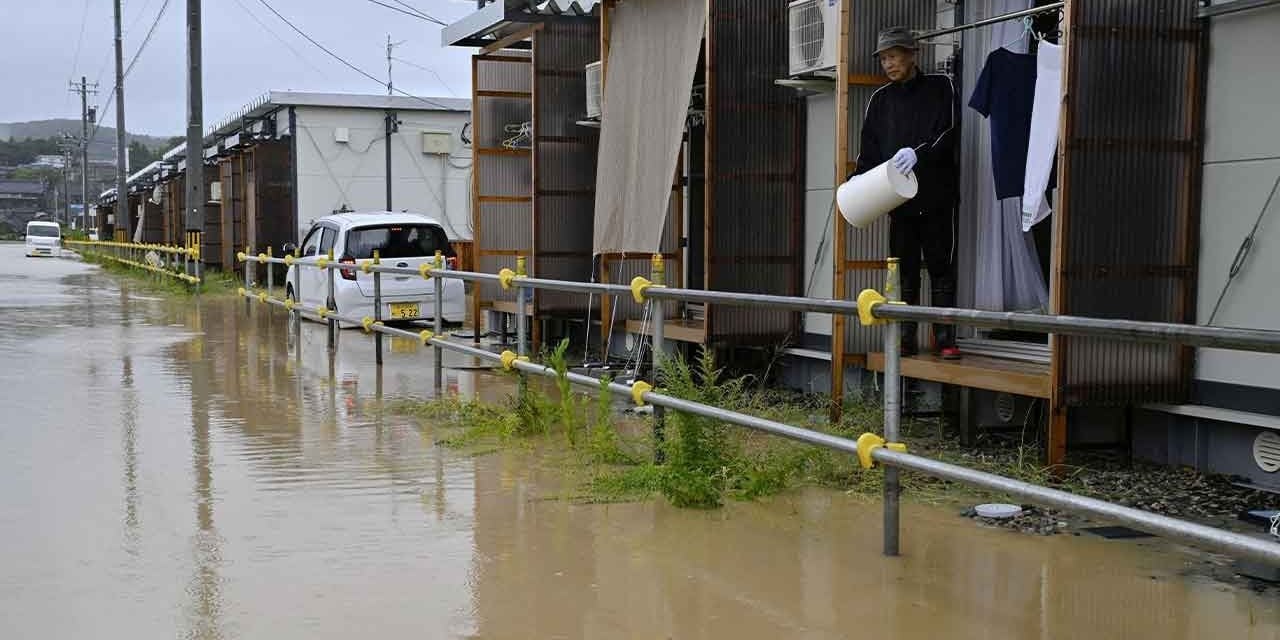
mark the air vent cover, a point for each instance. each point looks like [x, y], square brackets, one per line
[1266, 451]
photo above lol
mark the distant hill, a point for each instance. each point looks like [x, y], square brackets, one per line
[104, 143]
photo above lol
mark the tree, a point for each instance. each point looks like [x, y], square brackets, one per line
[140, 155]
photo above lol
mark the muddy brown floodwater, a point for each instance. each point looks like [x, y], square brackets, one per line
[175, 469]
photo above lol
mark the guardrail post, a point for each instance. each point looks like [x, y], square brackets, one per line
[521, 299]
[271, 276]
[331, 305]
[438, 329]
[248, 262]
[377, 308]
[892, 408]
[195, 257]
[657, 275]
[297, 292]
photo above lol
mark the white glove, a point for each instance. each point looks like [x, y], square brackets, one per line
[904, 160]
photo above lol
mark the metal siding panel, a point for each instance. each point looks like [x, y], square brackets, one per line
[502, 226]
[757, 167]
[564, 158]
[1135, 146]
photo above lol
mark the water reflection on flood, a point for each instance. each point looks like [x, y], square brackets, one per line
[207, 480]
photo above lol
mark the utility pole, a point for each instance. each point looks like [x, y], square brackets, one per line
[195, 125]
[87, 116]
[122, 188]
[392, 124]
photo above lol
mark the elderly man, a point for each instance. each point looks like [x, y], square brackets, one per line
[911, 122]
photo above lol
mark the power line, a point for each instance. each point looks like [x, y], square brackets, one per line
[428, 70]
[145, 40]
[343, 60]
[84, 17]
[428, 16]
[132, 61]
[424, 13]
[280, 39]
[412, 14]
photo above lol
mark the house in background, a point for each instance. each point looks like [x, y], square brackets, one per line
[288, 158]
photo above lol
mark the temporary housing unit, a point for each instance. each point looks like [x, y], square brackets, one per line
[288, 158]
[1125, 239]
[698, 155]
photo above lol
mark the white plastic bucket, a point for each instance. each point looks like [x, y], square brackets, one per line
[866, 197]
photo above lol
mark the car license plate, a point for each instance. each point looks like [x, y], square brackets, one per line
[404, 310]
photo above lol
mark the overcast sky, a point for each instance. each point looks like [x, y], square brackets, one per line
[247, 51]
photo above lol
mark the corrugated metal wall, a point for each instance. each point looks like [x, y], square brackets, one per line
[754, 168]
[867, 248]
[502, 178]
[1131, 204]
[273, 192]
[564, 158]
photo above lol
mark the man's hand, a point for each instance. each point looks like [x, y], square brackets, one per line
[904, 160]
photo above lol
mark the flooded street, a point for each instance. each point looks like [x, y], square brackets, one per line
[175, 468]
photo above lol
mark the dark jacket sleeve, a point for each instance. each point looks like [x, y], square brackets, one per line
[870, 155]
[940, 147]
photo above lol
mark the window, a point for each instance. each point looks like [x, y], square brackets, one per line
[397, 241]
[326, 242]
[42, 231]
[311, 246]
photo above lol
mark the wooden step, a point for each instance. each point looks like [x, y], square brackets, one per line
[976, 372]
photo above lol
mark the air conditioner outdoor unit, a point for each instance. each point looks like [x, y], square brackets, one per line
[814, 27]
[595, 87]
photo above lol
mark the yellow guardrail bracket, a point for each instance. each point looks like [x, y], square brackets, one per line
[288, 259]
[263, 297]
[262, 258]
[288, 304]
[867, 300]
[364, 266]
[324, 313]
[366, 322]
[240, 292]
[505, 276]
[508, 360]
[638, 389]
[869, 442]
[425, 336]
[424, 270]
[322, 262]
[240, 257]
[639, 285]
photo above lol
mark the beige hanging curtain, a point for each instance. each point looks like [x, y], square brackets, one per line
[653, 56]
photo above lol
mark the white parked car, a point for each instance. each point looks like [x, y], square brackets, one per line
[402, 240]
[44, 238]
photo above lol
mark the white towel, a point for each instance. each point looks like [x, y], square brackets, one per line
[1045, 114]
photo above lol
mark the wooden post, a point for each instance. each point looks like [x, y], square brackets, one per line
[1056, 452]
[841, 167]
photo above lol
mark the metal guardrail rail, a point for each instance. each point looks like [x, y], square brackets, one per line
[871, 308]
[179, 263]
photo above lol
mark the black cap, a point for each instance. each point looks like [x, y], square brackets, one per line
[895, 37]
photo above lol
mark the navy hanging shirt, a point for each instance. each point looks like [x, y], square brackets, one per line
[1005, 94]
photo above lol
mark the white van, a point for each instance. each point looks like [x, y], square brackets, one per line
[44, 238]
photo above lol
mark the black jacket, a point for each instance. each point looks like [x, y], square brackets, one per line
[921, 113]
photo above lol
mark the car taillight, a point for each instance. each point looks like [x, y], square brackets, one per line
[348, 274]
[451, 264]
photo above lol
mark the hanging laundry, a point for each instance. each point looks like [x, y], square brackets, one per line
[1043, 145]
[1004, 95]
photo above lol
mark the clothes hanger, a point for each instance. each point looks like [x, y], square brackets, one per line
[1026, 30]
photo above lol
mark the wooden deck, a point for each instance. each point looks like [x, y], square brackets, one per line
[976, 372]
[691, 331]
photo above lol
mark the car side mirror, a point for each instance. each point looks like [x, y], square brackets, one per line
[289, 248]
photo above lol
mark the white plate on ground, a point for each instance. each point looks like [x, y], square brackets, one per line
[998, 511]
